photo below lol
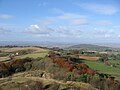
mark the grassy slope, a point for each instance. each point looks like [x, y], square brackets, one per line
[101, 67]
[16, 49]
[35, 55]
[37, 52]
[88, 47]
[114, 61]
[14, 81]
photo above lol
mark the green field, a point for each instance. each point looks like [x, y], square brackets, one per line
[114, 61]
[35, 55]
[101, 67]
[115, 53]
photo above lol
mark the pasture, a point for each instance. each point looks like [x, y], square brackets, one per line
[35, 55]
[114, 61]
[101, 67]
[32, 52]
[17, 49]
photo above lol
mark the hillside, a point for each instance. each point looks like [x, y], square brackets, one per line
[88, 47]
[23, 81]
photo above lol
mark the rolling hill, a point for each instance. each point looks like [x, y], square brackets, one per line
[89, 47]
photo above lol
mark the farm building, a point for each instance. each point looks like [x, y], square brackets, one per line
[89, 52]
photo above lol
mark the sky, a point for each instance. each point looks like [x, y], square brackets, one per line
[77, 21]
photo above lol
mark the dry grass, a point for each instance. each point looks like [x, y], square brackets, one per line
[19, 78]
[15, 49]
[89, 58]
[4, 58]
[36, 52]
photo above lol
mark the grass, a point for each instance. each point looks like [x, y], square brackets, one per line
[115, 53]
[114, 61]
[101, 67]
[4, 59]
[4, 54]
[35, 55]
[17, 49]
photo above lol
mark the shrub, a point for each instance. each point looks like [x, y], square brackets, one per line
[27, 66]
[83, 78]
[70, 76]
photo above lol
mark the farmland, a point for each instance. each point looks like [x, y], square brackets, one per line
[35, 55]
[101, 67]
[15, 49]
[89, 58]
[58, 64]
[32, 52]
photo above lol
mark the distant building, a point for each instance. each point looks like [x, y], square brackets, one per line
[103, 52]
[89, 52]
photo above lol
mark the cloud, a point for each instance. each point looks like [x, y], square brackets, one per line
[57, 10]
[71, 18]
[4, 30]
[68, 32]
[38, 30]
[75, 19]
[47, 22]
[80, 21]
[5, 16]
[117, 26]
[43, 4]
[118, 36]
[103, 33]
[100, 8]
[104, 22]
[107, 35]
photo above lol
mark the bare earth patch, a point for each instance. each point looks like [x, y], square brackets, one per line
[89, 58]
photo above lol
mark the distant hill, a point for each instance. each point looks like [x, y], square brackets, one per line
[89, 47]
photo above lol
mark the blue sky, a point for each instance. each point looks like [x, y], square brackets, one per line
[81, 21]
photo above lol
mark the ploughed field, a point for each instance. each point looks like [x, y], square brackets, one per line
[93, 58]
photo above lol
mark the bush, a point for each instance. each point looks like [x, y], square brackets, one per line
[70, 76]
[83, 78]
[27, 66]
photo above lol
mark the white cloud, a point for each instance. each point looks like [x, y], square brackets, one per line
[117, 26]
[38, 30]
[47, 22]
[100, 8]
[104, 22]
[57, 10]
[107, 35]
[71, 18]
[103, 33]
[5, 16]
[4, 30]
[68, 32]
[80, 21]
[118, 36]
